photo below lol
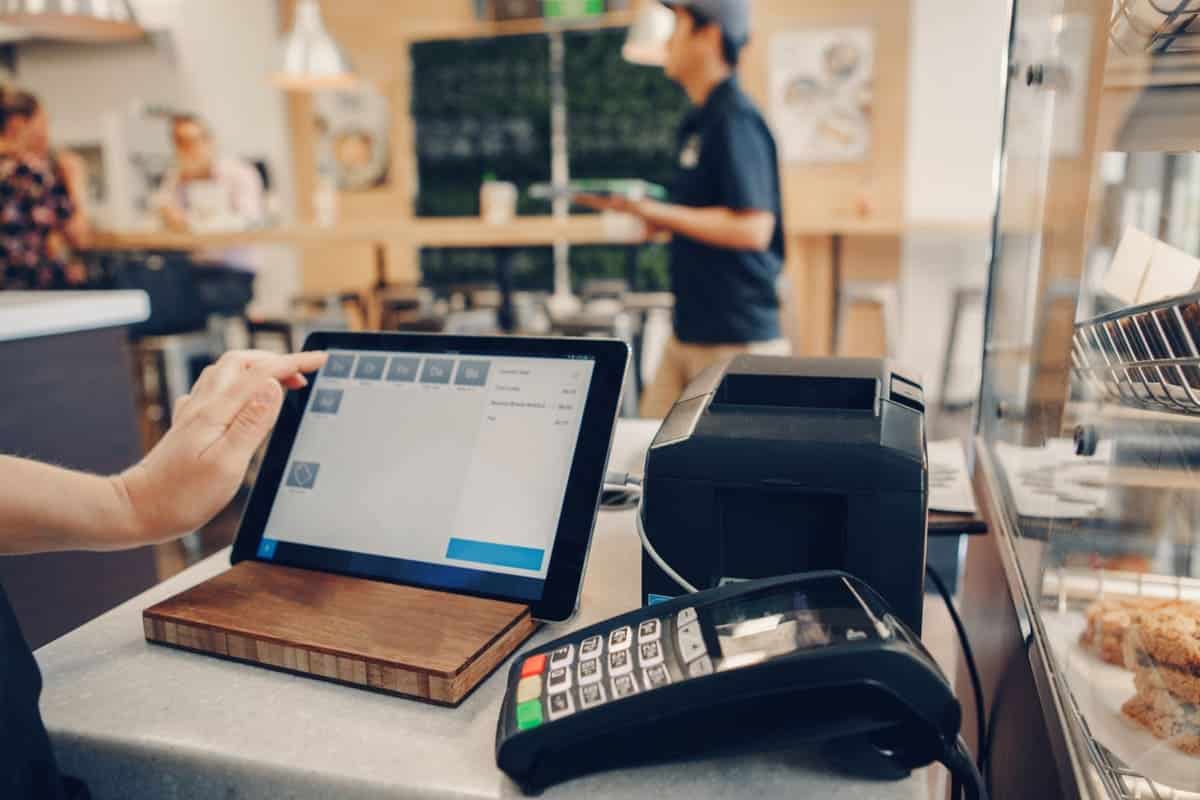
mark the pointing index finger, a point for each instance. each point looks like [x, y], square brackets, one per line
[284, 367]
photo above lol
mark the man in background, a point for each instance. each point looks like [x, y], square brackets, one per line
[204, 190]
[724, 213]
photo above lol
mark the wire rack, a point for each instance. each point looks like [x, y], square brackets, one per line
[1129, 784]
[1066, 587]
[1146, 357]
[1156, 26]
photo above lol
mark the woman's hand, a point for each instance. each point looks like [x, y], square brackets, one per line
[184, 481]
[198, 466]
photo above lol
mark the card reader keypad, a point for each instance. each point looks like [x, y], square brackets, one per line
[605, 668]
[591, 647]
[691, 642]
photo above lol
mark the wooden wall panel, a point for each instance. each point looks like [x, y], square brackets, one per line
[808, 307]
[347, 266]
[821, 194]
[825, 197]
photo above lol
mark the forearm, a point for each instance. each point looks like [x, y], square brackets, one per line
[44, 508]
[716, 226]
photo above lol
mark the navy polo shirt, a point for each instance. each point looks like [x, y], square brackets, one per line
[726, 157]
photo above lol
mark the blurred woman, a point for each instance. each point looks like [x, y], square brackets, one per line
[43, 211]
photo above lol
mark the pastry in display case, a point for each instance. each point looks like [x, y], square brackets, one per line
[1087, 453]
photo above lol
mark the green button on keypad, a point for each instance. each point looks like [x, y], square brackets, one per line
[529, 714]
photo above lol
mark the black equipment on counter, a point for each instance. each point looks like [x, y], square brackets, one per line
[769, 465]
[751, 666]
[182, 293]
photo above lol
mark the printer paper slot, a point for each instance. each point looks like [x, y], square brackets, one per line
[797, 391]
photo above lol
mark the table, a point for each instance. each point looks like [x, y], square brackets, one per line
[140, 720]
[413, 234]
[439, 232]
[30, 315]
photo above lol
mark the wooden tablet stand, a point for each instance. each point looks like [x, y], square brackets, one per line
[419, 643]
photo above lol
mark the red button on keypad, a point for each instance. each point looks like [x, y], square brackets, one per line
[534, 665]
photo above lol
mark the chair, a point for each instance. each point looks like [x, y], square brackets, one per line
[603, 318]
[964, 298]
[885, 295]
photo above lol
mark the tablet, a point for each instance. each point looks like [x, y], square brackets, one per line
[468, 464]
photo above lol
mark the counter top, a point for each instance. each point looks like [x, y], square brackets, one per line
[25, 315]
[140, 720]
[529, 231]
[422, 232]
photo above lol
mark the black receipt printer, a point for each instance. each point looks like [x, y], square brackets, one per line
[769, 465]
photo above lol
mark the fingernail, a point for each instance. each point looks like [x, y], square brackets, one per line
[303, 381]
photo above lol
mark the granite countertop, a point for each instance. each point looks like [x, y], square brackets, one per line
[26, 315]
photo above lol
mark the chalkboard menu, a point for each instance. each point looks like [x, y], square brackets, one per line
[621, 123]
[621, 118]
[482, 106]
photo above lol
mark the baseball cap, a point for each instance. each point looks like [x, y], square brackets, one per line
[732, 16]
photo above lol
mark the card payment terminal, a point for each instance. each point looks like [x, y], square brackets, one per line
[814, 656]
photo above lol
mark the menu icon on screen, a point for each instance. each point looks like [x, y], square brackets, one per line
[303, 474]
[437, 370]
[403, 369]
[327, 401]
[370, 368]
[471, 373]
[339, 365]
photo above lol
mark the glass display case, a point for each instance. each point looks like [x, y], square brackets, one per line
[1087, 454]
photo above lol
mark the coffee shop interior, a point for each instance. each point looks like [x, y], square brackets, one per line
[907, 290]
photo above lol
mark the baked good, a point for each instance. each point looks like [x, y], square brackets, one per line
[1108, 620]
[1166, 718]
[1163, 649]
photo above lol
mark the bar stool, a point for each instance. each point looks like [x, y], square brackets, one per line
[603, 289]
[965, 298]
[601, 319]
[885, 295]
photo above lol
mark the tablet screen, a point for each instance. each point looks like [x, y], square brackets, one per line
[444, 470]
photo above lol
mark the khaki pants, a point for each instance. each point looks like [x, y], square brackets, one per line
[682, 362]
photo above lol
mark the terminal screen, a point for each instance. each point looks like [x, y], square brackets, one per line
[441, 470]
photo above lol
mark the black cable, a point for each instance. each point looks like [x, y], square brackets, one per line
[965, 780]
[969, 656]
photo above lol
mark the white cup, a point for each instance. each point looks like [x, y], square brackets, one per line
[497, 202]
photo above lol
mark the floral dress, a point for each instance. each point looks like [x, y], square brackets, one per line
[34, 208]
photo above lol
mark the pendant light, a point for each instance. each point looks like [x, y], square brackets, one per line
[646, 42]
[73, 20]
[309, 58]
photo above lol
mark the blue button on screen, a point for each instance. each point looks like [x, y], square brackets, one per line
[498, 555]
